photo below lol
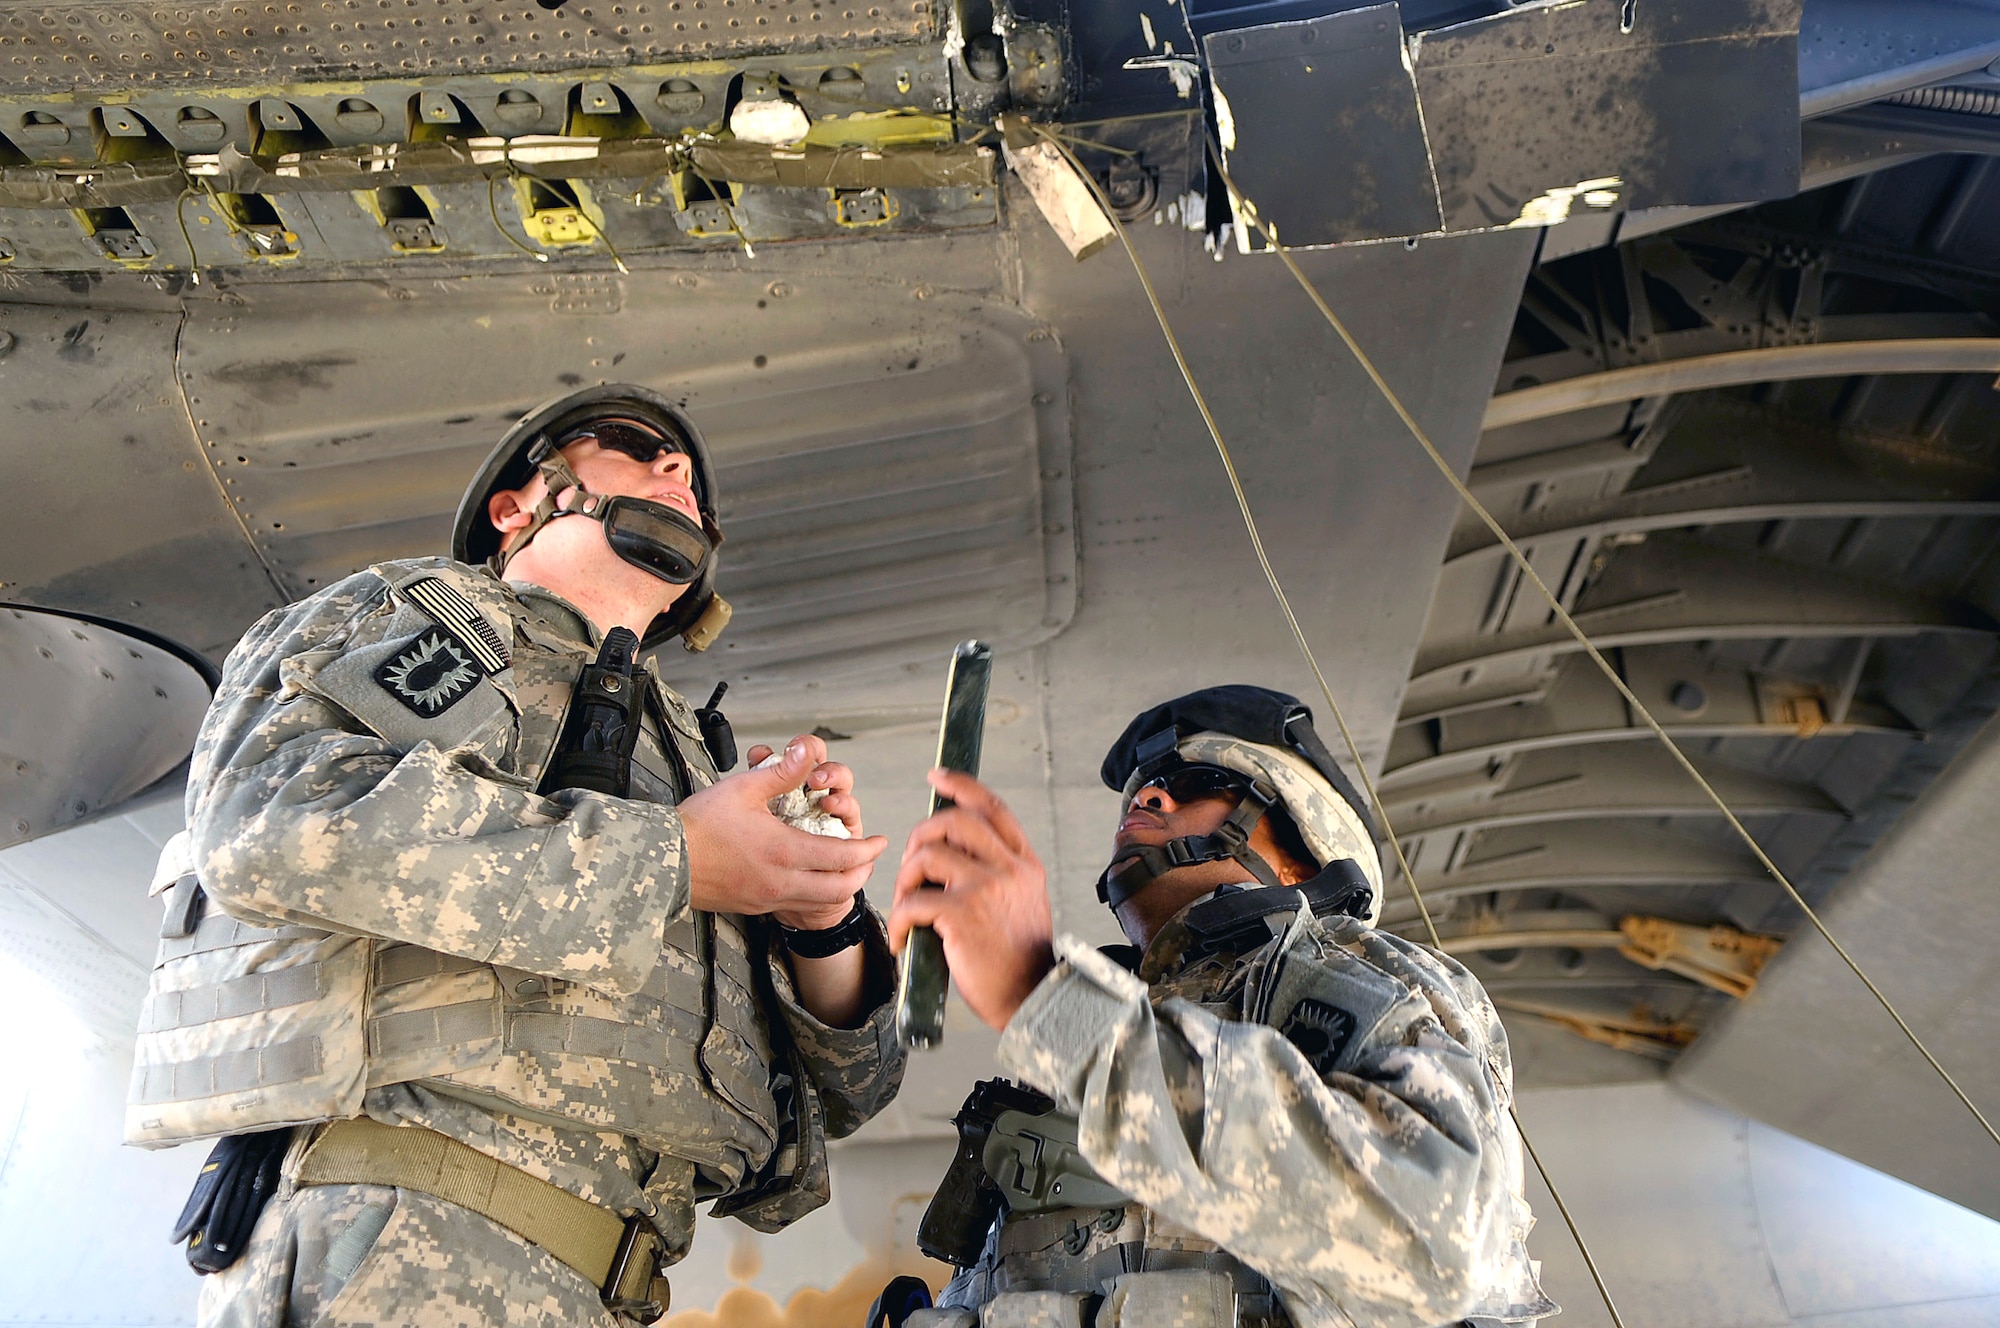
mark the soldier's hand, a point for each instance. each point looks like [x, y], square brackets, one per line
[993, 912]
[742, 859]
[838, 782]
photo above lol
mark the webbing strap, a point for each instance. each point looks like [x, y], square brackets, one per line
[409, 1031]
[230, 1072]
[271, 989]
[607, 1039]
[219, 931]
[365, 1152]
[397, 964]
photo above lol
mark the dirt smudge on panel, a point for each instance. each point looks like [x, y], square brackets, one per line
[279, 382]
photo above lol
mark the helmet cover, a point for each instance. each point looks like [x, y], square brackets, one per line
[1265, 735]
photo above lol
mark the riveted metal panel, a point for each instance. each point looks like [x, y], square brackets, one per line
[894, 460]
[60, 48]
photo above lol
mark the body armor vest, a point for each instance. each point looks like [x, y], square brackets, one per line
[248, 1026]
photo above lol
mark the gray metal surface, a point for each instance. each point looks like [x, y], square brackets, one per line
[1856, 51]
[93, 715]
[1326, 136]
[894, 458]
[1771, 364]
[1340, 130]
[1813, 1054]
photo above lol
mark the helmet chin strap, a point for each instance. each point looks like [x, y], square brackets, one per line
[559, 479]
[1230, 840]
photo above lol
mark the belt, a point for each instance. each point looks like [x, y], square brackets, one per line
[619, 1256]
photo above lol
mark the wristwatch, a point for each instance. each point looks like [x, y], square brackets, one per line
[824, 942]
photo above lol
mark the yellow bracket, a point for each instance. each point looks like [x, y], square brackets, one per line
[857, 209]
[127, 248]
[1720, 957]
[560, 226]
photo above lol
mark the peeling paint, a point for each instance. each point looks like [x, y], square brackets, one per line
[1225, 122]
[1555, 205]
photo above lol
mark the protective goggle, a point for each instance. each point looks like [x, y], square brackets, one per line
[1191, 782]
[640, 441]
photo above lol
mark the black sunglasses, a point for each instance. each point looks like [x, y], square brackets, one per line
[1193, 782]
[641, 442]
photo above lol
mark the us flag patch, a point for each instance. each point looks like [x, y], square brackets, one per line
[431, 674]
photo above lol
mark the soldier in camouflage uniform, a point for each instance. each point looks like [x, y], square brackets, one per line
[504, 1035]
[1265, 1110]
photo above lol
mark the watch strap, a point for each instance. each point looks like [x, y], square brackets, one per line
[825, 942]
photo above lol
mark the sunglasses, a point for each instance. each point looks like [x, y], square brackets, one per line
[1192, 783]
[641, 442]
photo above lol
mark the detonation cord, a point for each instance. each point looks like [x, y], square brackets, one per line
[493, 208]
[180, 216]
[1247, 209]
[1312, 661]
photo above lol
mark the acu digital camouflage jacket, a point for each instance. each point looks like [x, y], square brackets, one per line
[1329, 1108]
[399, 925]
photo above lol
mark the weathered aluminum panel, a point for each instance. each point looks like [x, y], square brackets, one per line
[128, 524]
[1337, 95]
[1518, 119]
[1687, 103]
[81, 44]
[1813, 1053]
[894, 461]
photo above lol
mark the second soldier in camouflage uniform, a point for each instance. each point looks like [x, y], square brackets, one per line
[1264, 1111]
[513, 1033]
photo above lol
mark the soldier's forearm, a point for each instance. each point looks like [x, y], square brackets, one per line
[834, 990]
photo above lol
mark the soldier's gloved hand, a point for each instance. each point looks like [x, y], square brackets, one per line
[993, 912]
[742, 859]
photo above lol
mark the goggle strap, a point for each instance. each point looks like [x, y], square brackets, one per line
[554, 468]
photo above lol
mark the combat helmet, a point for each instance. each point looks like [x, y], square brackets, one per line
[1267, 739]
[651, 536]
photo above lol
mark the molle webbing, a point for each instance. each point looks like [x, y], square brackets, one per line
[219, 931]
[397, 964]
[230, 1072]
[607, 1039]
[270, 989]
[437, 1026]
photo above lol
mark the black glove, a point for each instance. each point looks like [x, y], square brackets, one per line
[238, 1179]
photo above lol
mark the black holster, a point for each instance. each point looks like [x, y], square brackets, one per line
[967, 1202]
[239, 1178]
[601, 730]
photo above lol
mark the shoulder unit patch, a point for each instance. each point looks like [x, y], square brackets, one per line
[431, 674]
[1320, 1031]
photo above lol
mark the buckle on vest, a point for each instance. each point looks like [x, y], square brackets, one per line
[637, 1260]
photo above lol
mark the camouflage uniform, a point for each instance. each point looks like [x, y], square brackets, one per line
[1324, 1104]
[400, 927]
